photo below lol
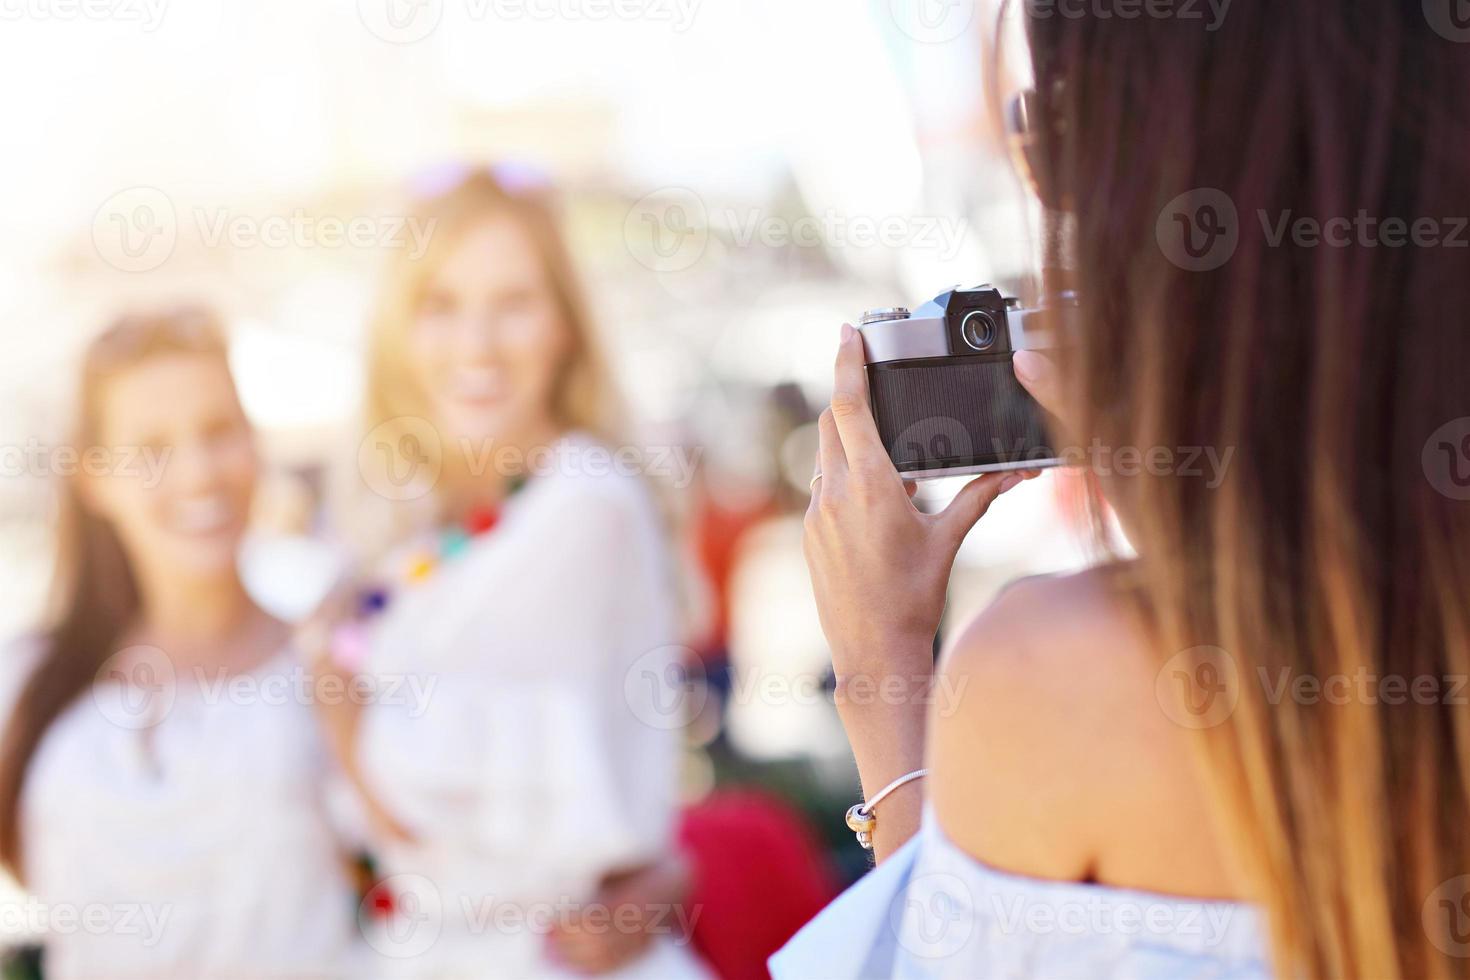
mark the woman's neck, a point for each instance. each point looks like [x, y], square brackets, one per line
[203, 621]
[467, 483]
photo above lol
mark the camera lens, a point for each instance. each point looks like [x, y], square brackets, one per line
[978, 330]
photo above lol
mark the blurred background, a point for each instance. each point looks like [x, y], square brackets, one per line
[738, 177]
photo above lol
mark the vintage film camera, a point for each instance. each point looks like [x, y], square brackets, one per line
[942, 388]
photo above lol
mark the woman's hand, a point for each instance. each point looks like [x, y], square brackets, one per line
[620, 922]
[880, 569]
[1038, 375]
[879, 566]
[340, 716]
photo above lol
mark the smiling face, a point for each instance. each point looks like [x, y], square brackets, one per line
[182, 463]
[488, 340]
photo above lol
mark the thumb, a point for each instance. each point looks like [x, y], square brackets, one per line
[1038, 375]
[971, 503]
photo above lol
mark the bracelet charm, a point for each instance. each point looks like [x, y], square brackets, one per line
[861, 819]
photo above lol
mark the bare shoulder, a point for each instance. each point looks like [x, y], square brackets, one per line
[1050, 754]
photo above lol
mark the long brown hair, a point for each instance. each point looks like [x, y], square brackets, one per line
[1330, 549]
[95, 595]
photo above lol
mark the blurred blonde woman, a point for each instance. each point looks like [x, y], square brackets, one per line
[152, 788]
[528, 589]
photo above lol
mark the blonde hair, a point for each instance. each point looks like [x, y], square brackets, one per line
[584, 396]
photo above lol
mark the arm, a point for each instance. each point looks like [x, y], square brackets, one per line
[879, 569]
[339, 717]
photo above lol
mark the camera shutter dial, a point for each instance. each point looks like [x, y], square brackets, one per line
[887, 313]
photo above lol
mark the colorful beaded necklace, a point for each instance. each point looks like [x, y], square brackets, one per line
[349, 642]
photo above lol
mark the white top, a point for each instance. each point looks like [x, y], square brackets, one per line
[546, 750]
[197, 847]
[931, 910]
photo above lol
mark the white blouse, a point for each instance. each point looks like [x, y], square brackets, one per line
[931, 910]
[541, 749]
[198, 847]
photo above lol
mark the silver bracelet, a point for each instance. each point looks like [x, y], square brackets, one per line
[860, 817]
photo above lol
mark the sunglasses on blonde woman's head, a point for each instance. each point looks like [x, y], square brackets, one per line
[515, 178]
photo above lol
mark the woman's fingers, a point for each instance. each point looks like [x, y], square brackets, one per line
[971, 503]
[1038, 374]
[831, 460]
[861, 444]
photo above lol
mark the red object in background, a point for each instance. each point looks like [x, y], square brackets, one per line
[481, 519]
[759, 876]
[718, 531]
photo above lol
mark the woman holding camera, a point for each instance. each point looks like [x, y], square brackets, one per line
[1208, 760]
